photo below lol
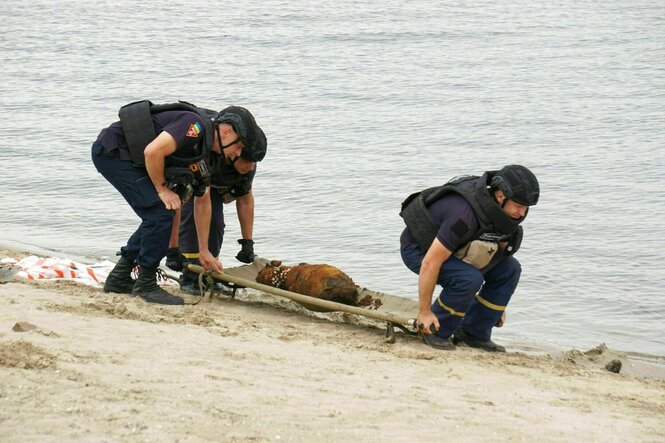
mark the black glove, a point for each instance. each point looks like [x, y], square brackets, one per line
[515, 241]
[174, 259]
[246, 254]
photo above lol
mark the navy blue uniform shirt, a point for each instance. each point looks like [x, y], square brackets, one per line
[184, 126]
[456, 220]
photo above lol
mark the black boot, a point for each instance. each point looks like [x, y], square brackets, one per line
[174, 259]
[120, 278]
[461, 336]
[189, 282]
[146, 287]
[444, 344]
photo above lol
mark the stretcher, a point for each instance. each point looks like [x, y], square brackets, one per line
[396, 312]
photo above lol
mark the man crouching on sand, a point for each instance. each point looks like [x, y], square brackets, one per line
[463, 235]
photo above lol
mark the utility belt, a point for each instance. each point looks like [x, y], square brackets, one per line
[233, 191]
[226, 193]
[188, 181]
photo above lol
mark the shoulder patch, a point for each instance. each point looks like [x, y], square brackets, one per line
[194, 130]
[460, 228]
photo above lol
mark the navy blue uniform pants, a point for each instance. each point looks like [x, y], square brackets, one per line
[469, 297]
[188, 239]
[149, 243]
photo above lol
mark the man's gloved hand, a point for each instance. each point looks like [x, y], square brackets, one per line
[174, 259]
[246, 254]
[515, 241]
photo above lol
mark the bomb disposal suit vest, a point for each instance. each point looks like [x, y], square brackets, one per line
[494, 224]
[187, 170]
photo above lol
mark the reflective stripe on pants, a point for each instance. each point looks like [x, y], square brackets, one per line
[462, 300]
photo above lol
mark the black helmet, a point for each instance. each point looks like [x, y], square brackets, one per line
[248, 131]
[517, 183]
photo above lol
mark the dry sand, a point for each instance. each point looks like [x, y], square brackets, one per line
[89, 366]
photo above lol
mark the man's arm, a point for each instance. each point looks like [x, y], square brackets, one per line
[202, 215]
[430, 267]
[155, 153]
[245, 210]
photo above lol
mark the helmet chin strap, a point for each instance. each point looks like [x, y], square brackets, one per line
[230, 144]
[219, 138]
[222, 146]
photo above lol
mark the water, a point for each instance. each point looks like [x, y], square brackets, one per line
[364, 103]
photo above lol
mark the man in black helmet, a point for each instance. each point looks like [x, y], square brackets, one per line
[463, 235]
[231, 181]
[157, 157]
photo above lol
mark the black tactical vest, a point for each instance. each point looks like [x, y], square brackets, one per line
[494, 223]
[139, 129]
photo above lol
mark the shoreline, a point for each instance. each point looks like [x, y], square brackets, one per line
[640, 364]
[79, 364]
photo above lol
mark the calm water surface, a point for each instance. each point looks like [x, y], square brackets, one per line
[364, 103]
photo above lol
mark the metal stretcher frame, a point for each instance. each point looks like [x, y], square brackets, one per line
[243, 276]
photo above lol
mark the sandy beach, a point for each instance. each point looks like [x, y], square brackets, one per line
[77, 364]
